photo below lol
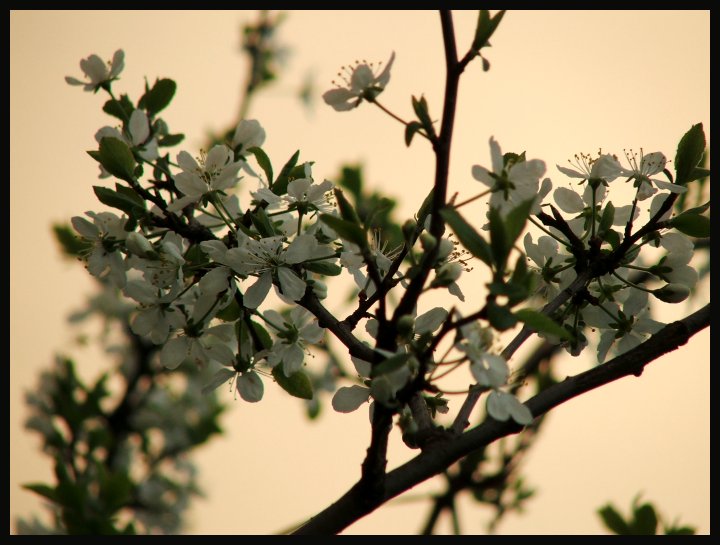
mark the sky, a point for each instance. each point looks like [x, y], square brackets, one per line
[560, 83]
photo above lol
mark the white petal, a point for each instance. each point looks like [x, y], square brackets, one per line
[85, 228]
[293, 358]
[431, 320]
[174, 352]
[292, 286]
[139, 127]
[568, 200]
[218, 379]
[349, 398]
[250, 387]
[361, 366]
[256, 293]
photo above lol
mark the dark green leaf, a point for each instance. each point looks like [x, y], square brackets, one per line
[72, 245]
[698, 173]
[170, 140]
[323, 267]
[115, 156]
[347, 211]
[645, 523]
[122, 108]
[541, 323]
[691, 224]
[351, 179]
[261, 222]
[498, 240]
[410, 130]
[262, 335]
[515, 222]
[297, 385]
[231, 312]
[468, 236]
[485, 28]
[689, 153]
[263, 160]
[157, 98]
[606, 220]
[614, 521]
[115, 200]
[279, 187]
[500, 317]
[43, 490]
[348, 231]
[680, 531]
[391, 364]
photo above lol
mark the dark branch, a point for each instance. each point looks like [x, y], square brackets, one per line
[433, 461]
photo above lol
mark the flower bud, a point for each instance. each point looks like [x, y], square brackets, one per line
[139, 245]
[672, 293]
[447, 274]
[405, 325]
[428, 241]
[408, 228]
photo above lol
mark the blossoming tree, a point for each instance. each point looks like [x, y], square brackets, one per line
[221, 260]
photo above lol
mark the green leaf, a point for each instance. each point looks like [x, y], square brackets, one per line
[486, 28]
[645, 523]
[410, 130]
[261, 222]
[157, 98]
[43, 490]
[348, 231]
[541, 323]
[614, 521]
[347, 210]
[393, 363]
[680, 531]
[606, 220]
[297, 385]
[279, 187]
[498, 240]
[231, 312]
[689, 154]
[698, 173]
[351, 179]
[115, 156]
[468, 236]
[262, 335]
[114, 199]
[122, 109]
[323, 267]
[263, 160]
[515, 222]
[421, 110]
[691, 224]
[72, 245]
[170, 140]
[500, 317]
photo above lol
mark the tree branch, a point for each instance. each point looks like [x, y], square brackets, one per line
[433, 461]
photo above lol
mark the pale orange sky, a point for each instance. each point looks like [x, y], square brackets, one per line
[560, 83]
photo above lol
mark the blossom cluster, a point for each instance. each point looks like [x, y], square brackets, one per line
[200, 266]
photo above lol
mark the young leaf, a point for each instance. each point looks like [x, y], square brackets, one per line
[692, 224]
[122, 108]
[410, 130]
[297, 385]
[115, 199]
[157, 98]
[279, 187]
[541, 323]
[263, 160]
[323, 267]
[689, 153]
[347, 211]
[348, 231]
[468, 236]
[486, 28]
[614, 521]
[115, 156]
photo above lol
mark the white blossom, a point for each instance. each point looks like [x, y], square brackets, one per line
[98, 72]
[359, 83]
